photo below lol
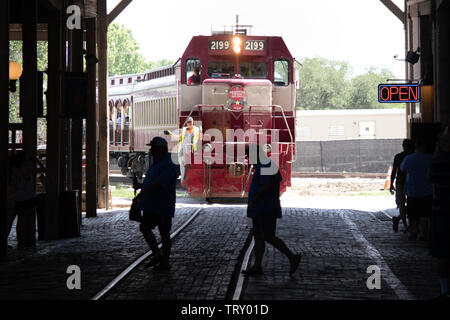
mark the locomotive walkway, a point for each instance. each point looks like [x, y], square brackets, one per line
[337, 246]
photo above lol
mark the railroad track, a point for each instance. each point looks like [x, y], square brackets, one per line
[137, 262]
[116, 176]
[235, 286]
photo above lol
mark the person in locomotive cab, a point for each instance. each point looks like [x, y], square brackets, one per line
[157, 201]
[195, 78]
[188, 141]
[264, 209]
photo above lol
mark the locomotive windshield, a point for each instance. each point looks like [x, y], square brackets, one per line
[251, 70]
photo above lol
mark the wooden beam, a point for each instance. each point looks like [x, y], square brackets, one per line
[4, 117]
[103, 135]
[77, 124]
[394, 9]
[117, 10]
[91, 124]
[29, 77]
[55, 46]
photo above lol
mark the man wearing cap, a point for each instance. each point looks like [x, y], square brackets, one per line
[188, 141]
[157, 201]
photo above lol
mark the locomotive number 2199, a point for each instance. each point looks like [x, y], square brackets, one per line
[255, 45]
[219, 45]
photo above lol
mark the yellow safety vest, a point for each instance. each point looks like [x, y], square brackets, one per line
[195, 138]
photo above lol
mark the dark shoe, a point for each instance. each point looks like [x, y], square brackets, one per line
[295, 262]
[153, 262]
[423, 238]
[162, 267]
[395, 221]
[412, 236]
[406, 230]
[252, 271]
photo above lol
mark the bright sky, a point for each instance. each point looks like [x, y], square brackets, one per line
[363, 32]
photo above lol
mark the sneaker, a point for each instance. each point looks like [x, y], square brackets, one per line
[153, 262]
[252, 271]
[295, 262]
[162, 267]
[395, 221]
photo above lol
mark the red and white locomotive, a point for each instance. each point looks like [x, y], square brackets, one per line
[246, 94]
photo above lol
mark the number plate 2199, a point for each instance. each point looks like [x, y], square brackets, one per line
[219, 45]
[259, 45]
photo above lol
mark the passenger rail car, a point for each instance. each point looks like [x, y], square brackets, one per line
[246, 95]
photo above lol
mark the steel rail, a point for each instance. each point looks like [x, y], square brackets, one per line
[138, 261]
[241, 278]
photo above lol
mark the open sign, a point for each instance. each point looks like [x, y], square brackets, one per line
[395, 93]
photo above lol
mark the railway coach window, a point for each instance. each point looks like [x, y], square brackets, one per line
[281, 72]
[193, 72]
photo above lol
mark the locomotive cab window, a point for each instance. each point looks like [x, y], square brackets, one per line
[193, 72]
[253, 70]
[220, 69]
[281, 72]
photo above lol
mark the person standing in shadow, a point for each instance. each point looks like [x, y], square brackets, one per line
[399, 177]
[264, 209]
[440, 217]
[157, 201]
[416, 166]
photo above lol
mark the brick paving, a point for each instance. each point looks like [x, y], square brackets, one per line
[334, 264]
[337, 247]
[108, 244]
[203, 260]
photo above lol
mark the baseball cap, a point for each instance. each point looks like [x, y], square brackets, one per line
[189, 119]
[157, 142]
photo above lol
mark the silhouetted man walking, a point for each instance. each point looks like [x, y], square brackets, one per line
[264, 208]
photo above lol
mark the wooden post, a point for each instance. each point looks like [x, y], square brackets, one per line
[91, 124]
[63, 129]
[55, 46]
[103, 141]
[29, 102]
[4, 118]
[77, 124]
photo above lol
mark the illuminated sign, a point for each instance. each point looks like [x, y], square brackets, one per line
[398, 93]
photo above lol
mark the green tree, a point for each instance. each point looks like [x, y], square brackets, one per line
[364, 93]
[324, 84]
[123, 52]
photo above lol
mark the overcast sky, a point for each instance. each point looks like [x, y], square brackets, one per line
[363, 32]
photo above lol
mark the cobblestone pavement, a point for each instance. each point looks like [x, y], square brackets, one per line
[337, 247]
[108, 244]
[203, 259]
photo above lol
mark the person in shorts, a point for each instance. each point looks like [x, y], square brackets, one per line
[264, 209]
[157, 201]
[418, 191]
[398, 177]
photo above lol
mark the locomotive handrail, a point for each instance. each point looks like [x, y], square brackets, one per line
[294, 152]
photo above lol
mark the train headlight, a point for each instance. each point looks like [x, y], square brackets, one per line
[237, 44]
[207, 147]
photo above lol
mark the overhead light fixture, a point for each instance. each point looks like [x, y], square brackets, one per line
[15, 72]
